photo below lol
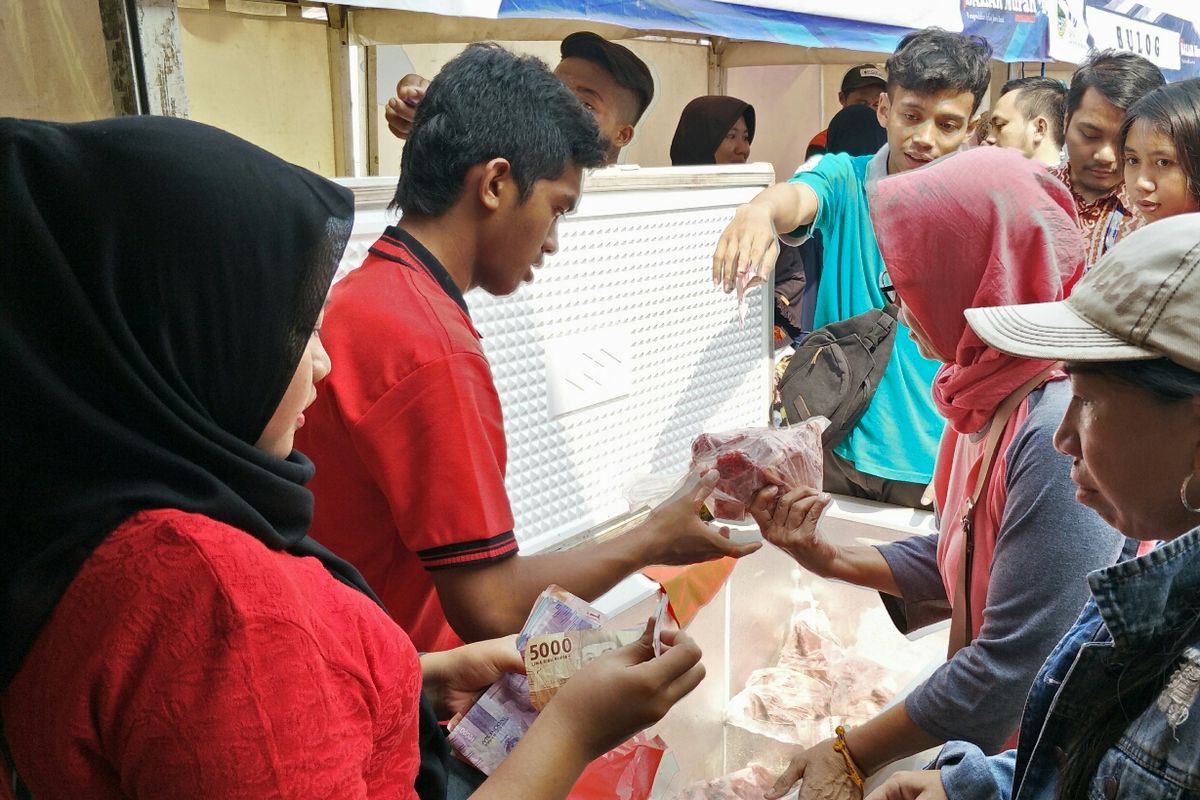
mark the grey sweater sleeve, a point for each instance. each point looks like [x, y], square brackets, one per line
[1046, 545]
[922, 600]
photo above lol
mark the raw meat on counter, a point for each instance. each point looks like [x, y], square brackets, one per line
[745, 784]
[819, 682]
[750, 459]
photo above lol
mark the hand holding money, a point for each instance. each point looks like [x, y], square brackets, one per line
[550, 660]
[494, 725]
[610, 697]
[626, 690]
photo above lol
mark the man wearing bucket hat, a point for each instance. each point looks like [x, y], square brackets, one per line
[610, 81]
[1129, 670]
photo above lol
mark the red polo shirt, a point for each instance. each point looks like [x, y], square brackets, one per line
[407, 435]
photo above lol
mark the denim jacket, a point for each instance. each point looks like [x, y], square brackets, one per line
[1135, 608]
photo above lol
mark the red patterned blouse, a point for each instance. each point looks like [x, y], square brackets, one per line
[188, 660]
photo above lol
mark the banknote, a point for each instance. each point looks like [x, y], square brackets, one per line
[552, 658]
[494, 725]
[498, 720]
[659, 617]
[558, 610]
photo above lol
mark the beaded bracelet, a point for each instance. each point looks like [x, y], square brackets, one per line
[840, 746]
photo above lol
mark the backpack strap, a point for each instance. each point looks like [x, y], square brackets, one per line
[885, 324]
[960, 619]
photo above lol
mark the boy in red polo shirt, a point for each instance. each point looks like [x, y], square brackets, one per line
[407, 430]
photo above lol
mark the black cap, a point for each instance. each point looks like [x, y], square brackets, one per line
[627, 69]
[863, 75]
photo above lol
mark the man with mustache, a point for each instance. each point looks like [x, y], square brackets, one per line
[935, 83]
[1101, 90]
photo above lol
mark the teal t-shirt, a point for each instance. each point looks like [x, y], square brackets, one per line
[897, 437]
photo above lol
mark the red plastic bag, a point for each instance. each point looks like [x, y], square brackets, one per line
[750, 459]
[626, 773]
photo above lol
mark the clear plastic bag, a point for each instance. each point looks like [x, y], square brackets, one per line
[827, 674]
[750, 459]
[750, 783]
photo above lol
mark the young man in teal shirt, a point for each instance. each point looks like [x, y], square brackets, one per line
[936, 80]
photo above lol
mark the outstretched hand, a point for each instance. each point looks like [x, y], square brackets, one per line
[747, 249]
[823, 772]
[678, 536]
[790, 523]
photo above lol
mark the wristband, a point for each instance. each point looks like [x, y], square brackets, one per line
[840, 746]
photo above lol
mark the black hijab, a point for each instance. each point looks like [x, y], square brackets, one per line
[856, 130]
[703, 124]
[160, 280]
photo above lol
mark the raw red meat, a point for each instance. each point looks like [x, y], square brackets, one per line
[750, 459]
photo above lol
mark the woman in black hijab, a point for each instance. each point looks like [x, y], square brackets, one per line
[168, 627]
[713, 130]
[856, 130]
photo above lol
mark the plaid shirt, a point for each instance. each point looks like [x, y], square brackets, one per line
[1106, 220]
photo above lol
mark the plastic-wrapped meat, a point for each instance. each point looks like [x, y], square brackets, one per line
[745, 784]
[750, 459]
[782, 695]
[818, 683]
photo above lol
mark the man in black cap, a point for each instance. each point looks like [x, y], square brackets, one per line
[861, 85]
[611, 82]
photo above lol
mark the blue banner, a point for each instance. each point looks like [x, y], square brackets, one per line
[709, 18]
[1016, 29]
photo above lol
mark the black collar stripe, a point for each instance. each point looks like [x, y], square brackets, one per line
[420, 256]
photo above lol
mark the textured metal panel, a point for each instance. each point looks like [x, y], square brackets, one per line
[637, 262]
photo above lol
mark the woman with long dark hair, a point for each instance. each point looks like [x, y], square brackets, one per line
[1115, 711]
[169, 628]
[1160, 145]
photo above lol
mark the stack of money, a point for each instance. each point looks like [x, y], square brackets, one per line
[498, 720]
[552, 658]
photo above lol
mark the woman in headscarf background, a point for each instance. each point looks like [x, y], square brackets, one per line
[168, 627]
[856, 130]
[980, 228]
[715, 129]
[1115, 711]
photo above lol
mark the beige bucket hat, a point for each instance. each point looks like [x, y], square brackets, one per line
[1140, 301]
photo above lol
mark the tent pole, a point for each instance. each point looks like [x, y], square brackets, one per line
[716, 68]
[145, 59]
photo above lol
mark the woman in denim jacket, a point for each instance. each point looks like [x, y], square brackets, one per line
[1115, 711]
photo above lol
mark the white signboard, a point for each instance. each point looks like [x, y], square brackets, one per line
[1118, 32]
[910, 14]
[1068, 31]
